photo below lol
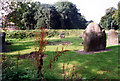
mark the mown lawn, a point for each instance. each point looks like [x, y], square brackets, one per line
[25, 46]
[93, 66]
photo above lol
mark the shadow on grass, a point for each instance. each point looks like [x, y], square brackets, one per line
[94, 66]
[19, 46]
[102, 65]
[16, 48]
[23, 45]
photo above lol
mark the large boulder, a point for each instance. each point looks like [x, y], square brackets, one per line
[94, 37]
[112, 37]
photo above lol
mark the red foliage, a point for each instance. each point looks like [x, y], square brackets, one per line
[56, 55]
[41, 41]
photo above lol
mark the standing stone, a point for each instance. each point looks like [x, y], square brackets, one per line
[112, 37]
[94, 38]
[62, 35]
[2, 41]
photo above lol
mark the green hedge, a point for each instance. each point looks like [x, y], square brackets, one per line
[50, 33]
[20, 34]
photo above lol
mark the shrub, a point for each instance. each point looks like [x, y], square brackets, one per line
[15, 75]
[20, 34]
[32, 33]
[10, 72]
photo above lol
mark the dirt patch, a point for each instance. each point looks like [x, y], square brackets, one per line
[30, 56]
[92, 52]
[60, 43]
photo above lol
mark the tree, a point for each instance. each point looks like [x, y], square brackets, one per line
[28, 16]
[6, 8]
[16, 9]
[16, 15]
[61, 15]
[88, 22]
[70, 18]
[109, 20]
[54, 18]
[118, 19]
[42, 16]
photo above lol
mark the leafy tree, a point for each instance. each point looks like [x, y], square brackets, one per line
[61, 15]
[16, 15]
[109, 20]
[118, 14]
[28, 16]
[48, 16]
[42, 16]
[88, 22]
[70, 18]
[55, 21]
[6, 7]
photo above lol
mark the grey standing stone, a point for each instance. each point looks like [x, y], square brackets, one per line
[112, 37]
[94, 38]
[2, 42]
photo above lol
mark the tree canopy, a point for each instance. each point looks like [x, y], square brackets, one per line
[111, 19]
[118, 14]
[61, 15]
[70, 18]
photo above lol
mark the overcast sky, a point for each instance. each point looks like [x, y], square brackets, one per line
[91, 9]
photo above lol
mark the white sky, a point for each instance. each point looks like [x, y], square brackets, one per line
[91, 9]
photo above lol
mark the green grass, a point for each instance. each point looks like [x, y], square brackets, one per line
[101, 65]
[26, 46]
[93, 66]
